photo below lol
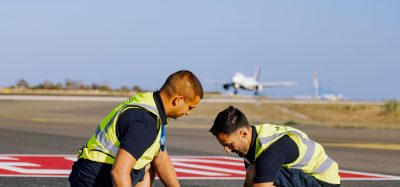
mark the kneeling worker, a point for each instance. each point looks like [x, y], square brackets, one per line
[128, 147]
[275, 155]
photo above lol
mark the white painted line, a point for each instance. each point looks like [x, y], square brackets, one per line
[71, 158]
[385, 177]
[7, 158]
[15, 167]
[38, 155]
[60, 98]
[241, 172]
[34, 175]
[233, 159]
[188, 165]
[7, 164]
[197, 172]
[207, 161]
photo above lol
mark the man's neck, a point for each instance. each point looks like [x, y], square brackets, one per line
[165, 100]
[250, 137]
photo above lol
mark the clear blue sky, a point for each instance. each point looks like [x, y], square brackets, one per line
[353, 45]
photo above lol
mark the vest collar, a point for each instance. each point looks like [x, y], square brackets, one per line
[160, 107]
[251, 153]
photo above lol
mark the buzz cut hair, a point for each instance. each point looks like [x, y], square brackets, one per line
[184, 83]
[228, 121]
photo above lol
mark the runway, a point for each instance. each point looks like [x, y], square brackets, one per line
[58, 126]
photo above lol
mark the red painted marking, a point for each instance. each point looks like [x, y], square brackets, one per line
[354, 175]
[7, 172]
[187, 167]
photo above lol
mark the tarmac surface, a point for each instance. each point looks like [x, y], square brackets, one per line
[62, 126]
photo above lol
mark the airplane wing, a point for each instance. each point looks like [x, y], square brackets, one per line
[225, 85]
[278, 84]
[216, 82]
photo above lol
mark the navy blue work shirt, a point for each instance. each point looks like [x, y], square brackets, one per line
[269, 163]
[136, 131]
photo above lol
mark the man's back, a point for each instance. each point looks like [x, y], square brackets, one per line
[136, 130]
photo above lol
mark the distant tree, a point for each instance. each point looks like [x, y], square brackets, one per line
[95, 86]
[22, 83]
[45, 85]
[83, 87]
[48, 85]
[69, 84]
[104, 86]
[57, 86]
[124, 88]
[137, 89]
[72, 85]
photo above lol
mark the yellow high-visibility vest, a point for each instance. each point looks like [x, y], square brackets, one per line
[103, 146]
[312, 158]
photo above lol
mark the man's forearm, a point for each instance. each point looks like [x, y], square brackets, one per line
[121, 171]
[120, 179]
[165, 170]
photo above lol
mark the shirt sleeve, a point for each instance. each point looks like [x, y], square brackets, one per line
[269, 163]
[136, 131]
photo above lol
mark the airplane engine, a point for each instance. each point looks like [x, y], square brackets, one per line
[259, 88]
[226, 86]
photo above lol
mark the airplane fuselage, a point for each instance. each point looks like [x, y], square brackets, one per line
[242, 81]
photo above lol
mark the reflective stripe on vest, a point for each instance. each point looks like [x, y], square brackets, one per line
[305, 160]
[312, 157]
[324, 166]
[103, 146]
[101, 134]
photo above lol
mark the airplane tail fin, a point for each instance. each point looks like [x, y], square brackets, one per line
[316, 85]
[257, 73]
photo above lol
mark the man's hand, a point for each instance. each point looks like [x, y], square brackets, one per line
[121, 171]
[267, 184]
[250, 174]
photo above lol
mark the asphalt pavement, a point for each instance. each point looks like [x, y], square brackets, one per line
[61, 127]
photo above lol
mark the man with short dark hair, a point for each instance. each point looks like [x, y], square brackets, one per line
[275, 155]
[128, 147]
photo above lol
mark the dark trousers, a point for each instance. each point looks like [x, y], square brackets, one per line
[86, 173]
[297, 178]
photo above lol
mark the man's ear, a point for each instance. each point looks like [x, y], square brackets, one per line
[176, 100]
[243, 133]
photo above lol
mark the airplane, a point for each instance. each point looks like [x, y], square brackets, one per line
[242, 81]
[319, 94]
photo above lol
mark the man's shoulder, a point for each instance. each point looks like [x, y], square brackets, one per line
[136, 120]
[284, 143]
[284, 147]
[137, 113]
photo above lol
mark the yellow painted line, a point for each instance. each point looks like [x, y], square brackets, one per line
[383, 146]
[45, 120]
[16, 117]
[188, 126]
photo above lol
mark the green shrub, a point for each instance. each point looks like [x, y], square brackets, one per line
[291, 123]
[391, 107]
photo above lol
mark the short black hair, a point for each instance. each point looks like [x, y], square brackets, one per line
[185, 83]
[228, 121]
